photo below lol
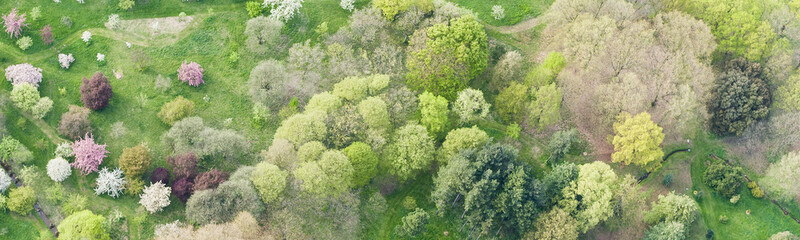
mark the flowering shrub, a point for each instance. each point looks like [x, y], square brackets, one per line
[24, 73]
[191, 73]
[110, 182]
[88, 154]
[65, 60]
[14, 23]
[58, 169]
[155, 197]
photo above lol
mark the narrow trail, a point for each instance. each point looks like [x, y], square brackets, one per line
[519, 27]
[47, 223]
[785, 212]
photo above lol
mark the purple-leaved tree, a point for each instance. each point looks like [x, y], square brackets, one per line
[47, 34]
[14, 23]
[191, 73]
[88, 154]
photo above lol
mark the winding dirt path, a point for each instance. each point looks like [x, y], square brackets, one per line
[519, 27]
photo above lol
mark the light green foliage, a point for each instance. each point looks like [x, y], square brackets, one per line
[35, 13]
[560, 144]
[589, 198]
[364, 161]
[331, 176]
[11, 149]
[412, 224]
[673, 207]
[24, 43]
[83, 225]
[637, 141]
[373, 111]
[511, 102]
[42, 107]
[21, 200]
[461, 139]
[434, 112]
[353, 89]
[311, 151]
[390, 8]
[304, 127]
[788, 95]
[546, 106]
[554, 225]
[324, 101]
[409, 203]
[377, 83]
[25, 96]
[444, 57]
[546, 73]
[262, 33]
[780, 180]
[269, 180]
[280, 153]
[126, 4]
[74, 203]
[224, 203]
[666, 231]
[411, 151]
[3, 200]
[135, 161]
[254, 9]
[737, 26]
[471, 106]
[176, 110]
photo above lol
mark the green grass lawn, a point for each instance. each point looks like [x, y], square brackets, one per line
[515, 10]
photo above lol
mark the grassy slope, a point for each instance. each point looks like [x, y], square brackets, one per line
[515, 10]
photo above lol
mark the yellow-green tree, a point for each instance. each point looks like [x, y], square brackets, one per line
[637, 141]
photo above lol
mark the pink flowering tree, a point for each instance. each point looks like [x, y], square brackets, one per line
[47, 34]
[191, 73]
[24, 73]
[14, 23]
[88, 154]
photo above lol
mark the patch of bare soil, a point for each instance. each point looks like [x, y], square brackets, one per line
[155, 28]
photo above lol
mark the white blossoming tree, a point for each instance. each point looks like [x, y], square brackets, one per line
[283, 10]
[101, 57]
[86, 36]
[110, 182]
[498, 12]
[155, 197]
[5, 180]
[24, 73]
[470, 105]
[58, 169]
[347, 4]
[65, 60]
[63, 150]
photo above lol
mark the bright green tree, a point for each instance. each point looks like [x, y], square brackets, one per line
[434, 112]
[546, 106]
[83, 225]
[332, 175]
[269, 180]
[304, 127]
[176, 110]
[510, 102]
[589, 198]
[780, 180]
[673, 207]
[311, 151]
[461, 139]
[637, 140]
[324, 101]
[373, 111]
[444, 57]
[411, 151]
[21, 200]
[412, 224]
[666, 231]
[364, 161]
[555, 225]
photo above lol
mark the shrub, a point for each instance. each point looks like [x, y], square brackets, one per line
[134, 161]
[498, 12]
[735, 199]
[47, 34]
[21, 200]
[176, 110]
[183, 189]
[724, 179]
[184, 165]
[160, 174]
[63, 150]
[83, 225]
[88, 154]
[723, 219]
[511, 101]
[11, 149]
[210, 179]
[785, 235]
[24, 96]
[86, 36]
[344, 127]
[254, 9]
[512, 131]
[224, 203]
[24, 73]
[459, 140]
[280, 153]
[113, 21]
[110, 182]
[409, 203]
[141, 61]
[14, 22]
[667, 230]
[126, 4]
[96, 91]
[412, 151]
[155, 197]
[65, 60]
[133, 186]
[666, 180]
[58, 169]
[757, 192]
[269, 180]
[5, 180]
[673, 207]
[42, 107]
[373, 111]
[75, 123]
[191, 73]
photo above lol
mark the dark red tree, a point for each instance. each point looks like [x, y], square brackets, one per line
[47, 34]
[184, 166]
[210, 179]
[160, 175]
[183, 189]
[96, 91]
